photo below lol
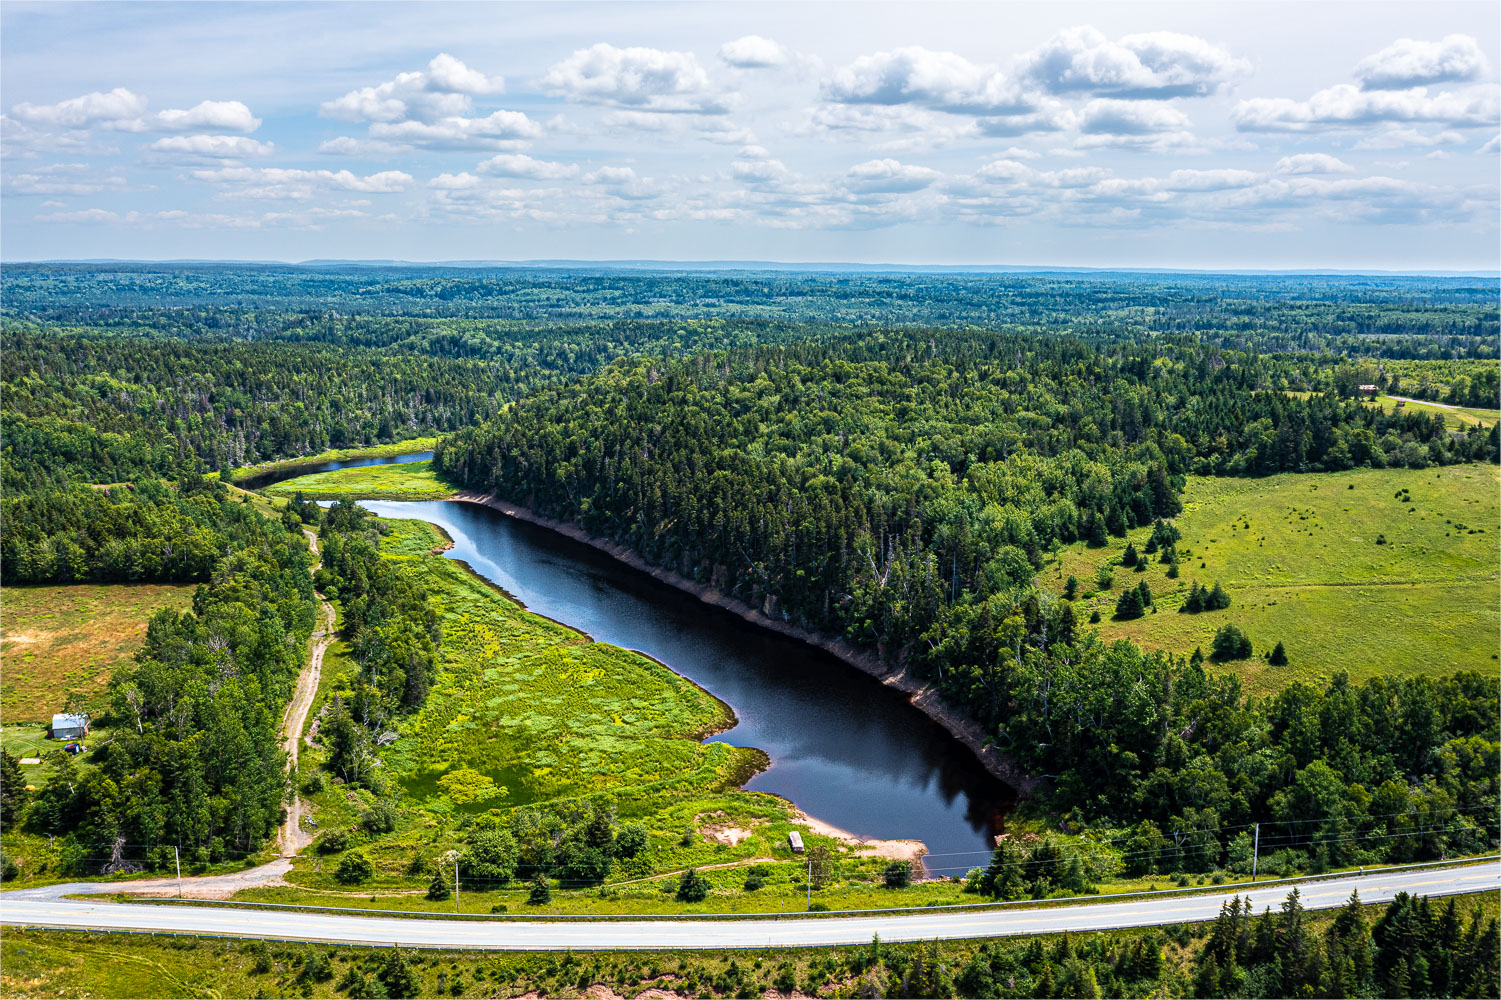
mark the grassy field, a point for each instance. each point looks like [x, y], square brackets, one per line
[58, 640]
[1456, 417]
[407, 447]
[1300, 558]
[404, 481]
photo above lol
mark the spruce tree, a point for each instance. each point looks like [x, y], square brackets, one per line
[1279, 656]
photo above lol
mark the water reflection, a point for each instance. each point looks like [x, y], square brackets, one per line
[844, 747]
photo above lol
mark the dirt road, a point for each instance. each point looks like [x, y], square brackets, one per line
[293, 837]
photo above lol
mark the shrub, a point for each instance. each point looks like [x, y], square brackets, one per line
[630, 840]
[693, 888]
[354, 868]
[1070, 588]
[8, 869]
[492, 856]
[332, 842]
[438, 888]
[541, 894]
[381, 817]
[755, 878]
[898, 875]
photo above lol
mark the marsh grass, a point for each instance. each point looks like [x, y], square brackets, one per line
[403, 481]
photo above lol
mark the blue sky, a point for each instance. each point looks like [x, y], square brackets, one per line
[1273, 135]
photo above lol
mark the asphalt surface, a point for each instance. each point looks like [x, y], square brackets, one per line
[45, 908]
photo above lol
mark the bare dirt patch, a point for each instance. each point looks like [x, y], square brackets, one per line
[716, 828]
[895, 850]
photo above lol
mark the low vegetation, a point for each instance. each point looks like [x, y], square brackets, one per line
[400, 481]
[61, 643]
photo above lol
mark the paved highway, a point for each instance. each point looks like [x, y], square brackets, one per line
[45, 908]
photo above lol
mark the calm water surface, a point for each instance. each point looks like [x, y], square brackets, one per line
[843, 746]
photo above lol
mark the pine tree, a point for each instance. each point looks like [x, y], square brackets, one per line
[1129, 605]
[1129, 558]
[540, 894]
[1279, 656]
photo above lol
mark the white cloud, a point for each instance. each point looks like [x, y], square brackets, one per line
[85, 112]
[1346, 106]
[61, 179]
[1492, 146]
[300, 185]
[1209, 180]
[520, 165]
[622, 182]
[1312, 163]
[944, 81]
[1410, 63]
[444, 90]
[123, 111]
[237, 147]
[1113, 117]
[1155, 64]
[639, 78]
[498, 130]
[230, 115]
[888, 176]
[753, 52]
[1399, 137]
[454, 182]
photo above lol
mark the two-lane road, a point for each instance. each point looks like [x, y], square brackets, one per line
[45, 908]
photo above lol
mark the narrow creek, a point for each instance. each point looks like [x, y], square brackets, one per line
[844, 747]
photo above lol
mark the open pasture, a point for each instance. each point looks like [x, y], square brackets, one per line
[1370, 571]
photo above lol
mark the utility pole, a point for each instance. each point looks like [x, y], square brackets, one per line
[1255, 851]
[178, 859]
[810, 881]
[456, 884]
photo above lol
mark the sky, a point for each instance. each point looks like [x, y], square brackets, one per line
[1194, 135]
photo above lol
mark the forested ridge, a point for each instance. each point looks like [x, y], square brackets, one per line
[901, 491]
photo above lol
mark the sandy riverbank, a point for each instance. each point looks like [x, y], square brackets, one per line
[925, 698]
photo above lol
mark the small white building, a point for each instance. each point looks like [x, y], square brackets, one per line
[69, 727]
[795, 841]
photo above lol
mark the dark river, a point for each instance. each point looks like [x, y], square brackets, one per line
[281, 475]
[844, 747]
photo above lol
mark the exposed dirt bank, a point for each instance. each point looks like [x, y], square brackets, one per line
[925, 698]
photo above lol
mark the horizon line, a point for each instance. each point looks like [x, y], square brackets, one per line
[647, 263]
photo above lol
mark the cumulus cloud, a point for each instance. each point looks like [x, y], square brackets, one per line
[498, 130]
[1113, 117]
[1399, 137]
[944, 81]
[520, 165]
[753, 52]
[236, 147]
[1155, 64]
[84, 112]
[639, 78]
[445, 89]
[1312, 163]
[1346, 106]
[301, 185]
[61, 179]
[123, 111]
[888, 176]
[1410, 63]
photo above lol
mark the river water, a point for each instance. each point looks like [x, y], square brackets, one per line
[844, 747]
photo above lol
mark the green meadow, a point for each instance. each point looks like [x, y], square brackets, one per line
[402, 481]
[407, 447]
[1370, 571]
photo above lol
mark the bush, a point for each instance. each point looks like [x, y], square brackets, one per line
[354, 868]
[8, 869]
[541, 894]
[630, 840]
[1230, 643]
[332, 842]
[693, 888]
[818, 907]
[898, 875]
[381, 817]
[755, 878]
[491, 857]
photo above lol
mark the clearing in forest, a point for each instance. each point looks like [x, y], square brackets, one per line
[57, 640]
[1371, 571]
[402, 481]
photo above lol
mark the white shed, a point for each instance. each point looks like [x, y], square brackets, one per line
[795, 839]
[69, 727]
